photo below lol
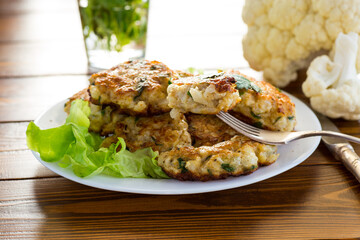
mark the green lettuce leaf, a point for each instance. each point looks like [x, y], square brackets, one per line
[71, 145]
[42, 142]
[139, 164]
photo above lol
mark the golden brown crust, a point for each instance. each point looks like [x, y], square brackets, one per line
[83, 94]
[270, 108]
[234, 157]
[206, 94]
[160, 132]
[189, 176]
[100, 115]
[222, 82]
[136, 87]
[207, 130]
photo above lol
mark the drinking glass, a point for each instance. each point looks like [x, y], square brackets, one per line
[114, 31]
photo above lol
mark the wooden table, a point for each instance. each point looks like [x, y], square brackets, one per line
[42, 61]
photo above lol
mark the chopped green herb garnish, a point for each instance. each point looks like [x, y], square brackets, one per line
[210, 172]
[278, 89]
[169, 82]
[253, 167]
[136, 119]
[291, 117]
[182, 164]
[140, 87]
[257, 116]
[164, 75]
[244, 83]
[214, 75]
[277, 119]
[102, 112]
[258, 124]
[188, 93]
[140, 90]
[156, 143]
[242, 92]
[155, 66]
[227, 167]
[99, 100]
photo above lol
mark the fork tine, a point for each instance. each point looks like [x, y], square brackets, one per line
[234, 121]
[238, 125]
[241, 128]
[243, 125]
[238, 129]
[274, 137]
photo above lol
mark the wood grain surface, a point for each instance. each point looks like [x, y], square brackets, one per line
[42, 61]
[25, 98]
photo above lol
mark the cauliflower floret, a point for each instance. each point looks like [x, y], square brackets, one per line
[284, 36]
[332, 85]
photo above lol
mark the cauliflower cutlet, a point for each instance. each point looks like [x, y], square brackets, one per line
[234, 157]
[133, 101]
[207, 130]
[203, 94]
[160, 132]
[135, 87]
[99, 116]
[264, 105]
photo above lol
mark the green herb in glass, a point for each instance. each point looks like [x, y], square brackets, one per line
[114, 26]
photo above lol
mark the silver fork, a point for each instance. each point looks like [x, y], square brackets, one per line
[273, 137]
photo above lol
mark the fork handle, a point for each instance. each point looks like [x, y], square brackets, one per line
[304, 134]
[346, 154]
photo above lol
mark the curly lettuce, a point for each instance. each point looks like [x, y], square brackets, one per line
[73, 146]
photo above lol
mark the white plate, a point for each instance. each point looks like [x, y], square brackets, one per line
[290, 155]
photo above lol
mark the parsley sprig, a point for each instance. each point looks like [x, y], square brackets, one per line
[115, 23]
[243, 83]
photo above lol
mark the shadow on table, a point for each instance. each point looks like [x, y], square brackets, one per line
[283, 205]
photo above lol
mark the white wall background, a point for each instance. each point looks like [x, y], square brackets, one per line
[196, 33]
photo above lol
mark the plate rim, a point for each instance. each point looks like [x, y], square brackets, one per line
[87, 181]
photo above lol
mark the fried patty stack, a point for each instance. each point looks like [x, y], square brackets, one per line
[150, 105]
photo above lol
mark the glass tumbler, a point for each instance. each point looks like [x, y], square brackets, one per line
[114, 31]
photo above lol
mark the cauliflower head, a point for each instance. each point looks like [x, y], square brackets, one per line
[332, 84]
[285, 35]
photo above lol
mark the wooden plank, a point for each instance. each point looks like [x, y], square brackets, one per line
[41, 38]
[36, 6]
[22, 164]
[23, 99]
[41, 26]
[12, 136]
[42, 58]
[324, 200]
